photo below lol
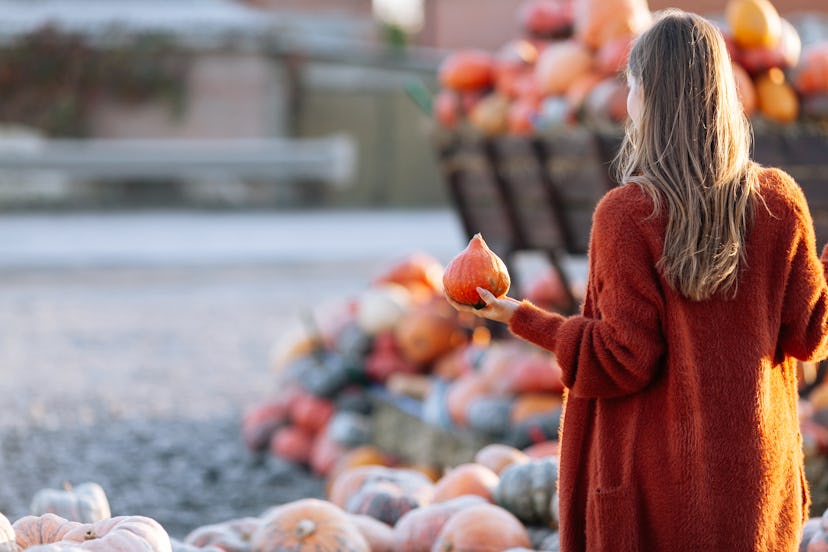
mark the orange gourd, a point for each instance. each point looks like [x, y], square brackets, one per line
[482, 527]
[414, 269]
[776, 98]
[308, 524]
[475, 266]
[745, 88]
[753, 23]
[466, 479]
[428, 332]
[467, 70]
[811, 75]
[561, 63]
[598, 21]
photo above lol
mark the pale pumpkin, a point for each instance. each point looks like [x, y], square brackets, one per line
[469, 478]
[417, 530]
[7, 540]
[308, 524]
[118, 534]
[43, 529]
[381, 306]
[121, 534]
[482, 528]
[233, 535]
[497, 456]
[85, 503]
[475, 266]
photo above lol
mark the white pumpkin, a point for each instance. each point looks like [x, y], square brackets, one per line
[8, 543]
[85, 503]
[381, 306]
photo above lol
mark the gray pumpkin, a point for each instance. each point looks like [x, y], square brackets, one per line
[528, 490]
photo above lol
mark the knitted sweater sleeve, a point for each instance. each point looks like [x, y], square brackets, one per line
[804, 329]
[614, 348]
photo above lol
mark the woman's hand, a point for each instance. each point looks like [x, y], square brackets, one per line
[499, 310]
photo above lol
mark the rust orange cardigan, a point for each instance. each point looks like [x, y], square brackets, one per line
[680, 428]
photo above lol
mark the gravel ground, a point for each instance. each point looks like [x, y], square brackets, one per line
[136, 378]
[135, 375]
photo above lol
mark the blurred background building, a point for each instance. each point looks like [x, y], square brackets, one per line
[245, 70]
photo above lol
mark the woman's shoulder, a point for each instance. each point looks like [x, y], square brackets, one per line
[780, 190]
[626, 200]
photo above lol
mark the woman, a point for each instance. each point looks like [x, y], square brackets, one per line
[680, 429]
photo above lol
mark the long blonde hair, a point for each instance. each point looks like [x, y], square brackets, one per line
[691, 152]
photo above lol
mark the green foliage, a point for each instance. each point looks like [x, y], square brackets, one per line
[50, 79]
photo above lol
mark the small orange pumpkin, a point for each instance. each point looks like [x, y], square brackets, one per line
[753, 22]
[470, 478]
[467, 69]
[428, 332]
[475, 266]
[776, 98]
[308, 524]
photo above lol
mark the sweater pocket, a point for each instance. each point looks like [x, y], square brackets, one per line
[611, 520]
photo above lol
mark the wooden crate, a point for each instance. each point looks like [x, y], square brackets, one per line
[539, 193]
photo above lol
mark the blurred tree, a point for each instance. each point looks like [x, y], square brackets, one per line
[50, 79]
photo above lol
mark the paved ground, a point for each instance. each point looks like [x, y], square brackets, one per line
[130, 343]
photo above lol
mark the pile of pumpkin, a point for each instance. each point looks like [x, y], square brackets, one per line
[566, 68]
[401, 336]
[503, 499]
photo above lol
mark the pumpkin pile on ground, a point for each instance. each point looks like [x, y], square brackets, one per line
[505, 499]
[565, 64]
[400, 334]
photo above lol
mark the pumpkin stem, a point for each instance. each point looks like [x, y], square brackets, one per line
[305, 528]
